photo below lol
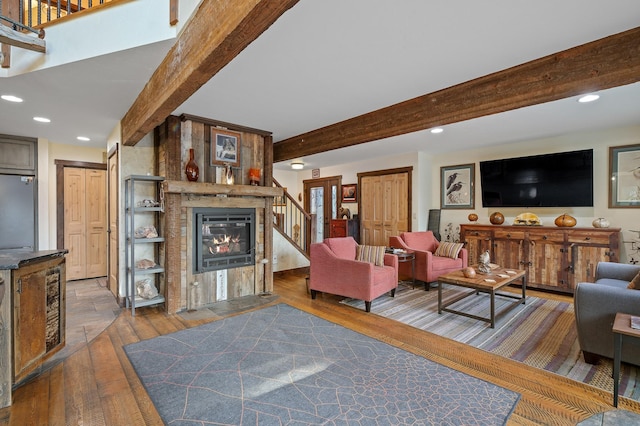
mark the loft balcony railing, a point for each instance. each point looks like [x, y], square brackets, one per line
[29, 14]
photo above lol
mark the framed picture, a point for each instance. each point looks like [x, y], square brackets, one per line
[457, 186]
[225, 147]
[349, 193]
[624, 176]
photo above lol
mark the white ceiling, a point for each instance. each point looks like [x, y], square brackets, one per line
[325, 61]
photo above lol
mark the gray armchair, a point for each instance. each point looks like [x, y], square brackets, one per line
[596, 305]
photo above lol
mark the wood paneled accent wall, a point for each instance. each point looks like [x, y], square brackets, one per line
[174, 138]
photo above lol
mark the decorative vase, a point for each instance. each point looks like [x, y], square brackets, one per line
[496, 218]
[191, 169]
[254, 177]
[600, 222]
[565, 220]
[228, 175]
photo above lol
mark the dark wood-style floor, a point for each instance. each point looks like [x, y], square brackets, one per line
[96, 384]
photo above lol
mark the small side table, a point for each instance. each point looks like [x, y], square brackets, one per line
[621, 331]
[409, 257]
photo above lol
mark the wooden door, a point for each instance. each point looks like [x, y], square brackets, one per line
[75, 236]
[384, 207]
[85, 223]
[96, 213]
[321, 200]
[112, 230]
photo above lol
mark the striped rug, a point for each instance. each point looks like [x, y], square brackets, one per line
[541, 333]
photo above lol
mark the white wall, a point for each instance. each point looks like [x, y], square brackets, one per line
[121, 28]
[426, 181]
[48, 152]
[600, 142]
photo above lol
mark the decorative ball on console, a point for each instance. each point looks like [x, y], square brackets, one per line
[565, 221]
[472, 217]
[600, 222]
[496, 218]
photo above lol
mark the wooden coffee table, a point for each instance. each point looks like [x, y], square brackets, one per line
[483, 283]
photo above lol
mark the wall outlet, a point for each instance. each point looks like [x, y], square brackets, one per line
[275, 258]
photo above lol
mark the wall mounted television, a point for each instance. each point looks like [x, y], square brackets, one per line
[562, 179]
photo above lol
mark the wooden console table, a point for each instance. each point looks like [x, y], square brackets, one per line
[554, 258]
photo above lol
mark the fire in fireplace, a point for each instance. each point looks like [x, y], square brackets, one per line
[224, 238]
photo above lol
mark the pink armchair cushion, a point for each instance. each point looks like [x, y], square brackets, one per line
[424, 241]
[344, 248]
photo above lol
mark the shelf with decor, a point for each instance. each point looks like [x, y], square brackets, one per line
[143, 207]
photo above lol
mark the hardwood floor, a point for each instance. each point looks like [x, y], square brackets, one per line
[96, 385]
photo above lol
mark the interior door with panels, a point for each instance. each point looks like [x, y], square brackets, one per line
[384, 204]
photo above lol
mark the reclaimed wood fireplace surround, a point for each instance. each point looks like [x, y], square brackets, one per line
[184, 289]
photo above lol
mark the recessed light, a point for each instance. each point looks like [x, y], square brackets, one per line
[588, 98]
[11, 98]
[83, 138]
[437, 130]
[42, 119]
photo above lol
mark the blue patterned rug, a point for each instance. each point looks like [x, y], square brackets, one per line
[280, 365]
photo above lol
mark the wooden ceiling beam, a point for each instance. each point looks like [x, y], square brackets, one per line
[217, 32]
[609, 62]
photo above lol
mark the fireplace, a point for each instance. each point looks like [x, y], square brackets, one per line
[224, 238]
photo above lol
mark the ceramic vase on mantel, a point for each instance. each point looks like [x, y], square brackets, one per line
[191, 169]
[228, 177]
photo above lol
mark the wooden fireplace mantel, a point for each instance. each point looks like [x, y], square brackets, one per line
[205, 188]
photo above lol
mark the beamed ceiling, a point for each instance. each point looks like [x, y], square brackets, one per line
[322, 75]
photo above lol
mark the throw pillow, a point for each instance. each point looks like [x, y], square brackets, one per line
[371, 254]
[635, 282]
[449, 250]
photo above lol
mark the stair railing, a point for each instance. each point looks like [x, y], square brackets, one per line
[33, 13]
[293, 222]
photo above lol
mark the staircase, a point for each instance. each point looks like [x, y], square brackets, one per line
[293, 223]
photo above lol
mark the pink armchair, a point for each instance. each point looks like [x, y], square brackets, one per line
[334, 270]
[428, 266]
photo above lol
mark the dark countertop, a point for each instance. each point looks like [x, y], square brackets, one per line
[16, 259]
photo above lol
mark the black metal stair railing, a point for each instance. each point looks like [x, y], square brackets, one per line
[293, 222]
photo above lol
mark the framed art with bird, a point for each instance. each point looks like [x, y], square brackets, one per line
[457, 186]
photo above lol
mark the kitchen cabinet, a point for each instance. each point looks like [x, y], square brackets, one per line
[32, 314]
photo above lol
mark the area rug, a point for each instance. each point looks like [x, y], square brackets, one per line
[279, 365]
[541, 333]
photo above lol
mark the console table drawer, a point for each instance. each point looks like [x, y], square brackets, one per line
[587, 237]
[512, 235]
[553, 237]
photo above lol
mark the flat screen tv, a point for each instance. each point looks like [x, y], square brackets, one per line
[562, 179]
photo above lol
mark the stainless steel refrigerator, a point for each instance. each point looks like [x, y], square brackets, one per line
[17, 212]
